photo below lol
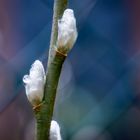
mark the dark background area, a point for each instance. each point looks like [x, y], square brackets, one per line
[98, 95]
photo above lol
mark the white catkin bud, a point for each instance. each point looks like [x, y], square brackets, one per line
[67, 32]
[34, 83]
[55, 131]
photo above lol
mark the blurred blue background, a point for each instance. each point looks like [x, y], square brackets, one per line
[98, 95]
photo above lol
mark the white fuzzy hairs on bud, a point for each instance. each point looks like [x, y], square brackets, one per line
[67, 32]
[34, 83]
[55, 131]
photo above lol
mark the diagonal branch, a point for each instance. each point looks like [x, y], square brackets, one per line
[55, 62]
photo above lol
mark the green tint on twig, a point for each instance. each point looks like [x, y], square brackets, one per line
[44, 115]
[44, 112]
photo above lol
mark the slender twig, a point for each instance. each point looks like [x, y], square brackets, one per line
[44, 115]
[55, 61]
